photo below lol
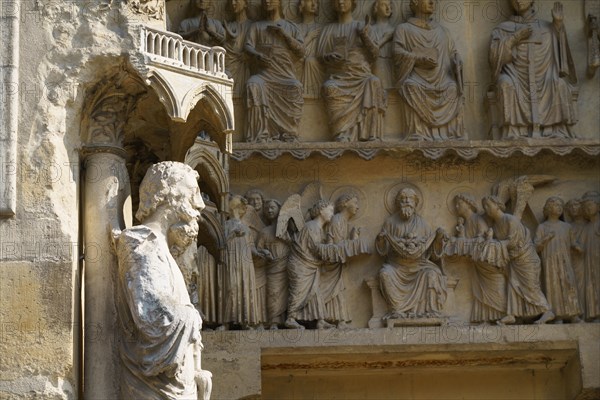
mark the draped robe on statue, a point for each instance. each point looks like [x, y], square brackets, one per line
[238, 285]
[590, 240]
[308, 253]
[354, 96]
[310, 70]
[273, 95]
[383, 67]
[431, 100]
[410, 283]
[236, 58]
[559, 279]
[525, 297]
[277, 273]
[534, 79]
[488, 281]
[160, 326]
[332, 275]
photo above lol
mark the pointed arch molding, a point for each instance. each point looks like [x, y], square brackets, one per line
[9, 108]
[179, 93]
[198, 155]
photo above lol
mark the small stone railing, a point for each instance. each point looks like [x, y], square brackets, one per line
[170, 49]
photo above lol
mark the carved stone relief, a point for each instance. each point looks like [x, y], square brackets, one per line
[535, 75]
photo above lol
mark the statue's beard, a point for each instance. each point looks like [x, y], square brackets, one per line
[182, 234]
[406, 211]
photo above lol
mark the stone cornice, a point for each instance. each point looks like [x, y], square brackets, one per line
[467, 150]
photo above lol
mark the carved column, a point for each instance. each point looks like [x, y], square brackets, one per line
[106, 189]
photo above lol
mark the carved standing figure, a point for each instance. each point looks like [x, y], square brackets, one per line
[237, 278]
[412, 285]
[592, 13]
[310, 69]
[275, 251]
[160, 345]
[332, 275]
[554, 240]
[201, 28]
[234, 42]
[309, 252]
[354, 97]
[273, 94]
[488, 281]
[590, 240]
[575, 214]
[429, 73]
[524, 294]
[534, 73]
[382, 32]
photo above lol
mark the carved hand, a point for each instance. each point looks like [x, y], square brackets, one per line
[557, 15]
[427, 62]
[355, 233]
[276, 29]
[522, 34]
[364, 32]
[333, 57]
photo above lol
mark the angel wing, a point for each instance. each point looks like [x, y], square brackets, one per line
[290, 210]
[309, 196]
[519, 190]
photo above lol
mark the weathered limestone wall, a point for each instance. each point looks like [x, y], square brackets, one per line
[64, 47]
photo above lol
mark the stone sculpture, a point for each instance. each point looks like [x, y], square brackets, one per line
[275, 251]
[237, 279]
[488, 280]
[525, 299]
[273, 94]
[592, 13]
[575, 218]
[412, 285]
[310, 69]
[160, 345]
[429, 77]
[382, 32]
[206, 295]
[354, 97]
[534, 74]
[554, 240]
[234, 41]
[590, 240]
[309, 252]
[332, 275]
[202, 29]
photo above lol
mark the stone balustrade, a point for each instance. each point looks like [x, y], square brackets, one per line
[170, 49]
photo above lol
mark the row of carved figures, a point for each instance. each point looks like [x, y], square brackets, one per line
[285, 270]
[351, 64]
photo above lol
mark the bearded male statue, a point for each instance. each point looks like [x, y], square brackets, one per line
[160, 328]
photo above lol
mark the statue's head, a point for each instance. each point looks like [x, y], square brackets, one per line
[347, 202]
[308, 7]
[256, 199]
[322, 208]
[344, 6]
[272, 6]
[406, 202]
[492, 205]
[424, 7]
[465, 203]
[237, 206]
[237, 6]
[203, 4]
[382, 9]
[573, 208]
[271, 209]
[172, 184]
[521, 6]
[590, 203]
[554, 206]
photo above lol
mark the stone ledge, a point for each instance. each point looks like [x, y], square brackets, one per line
[467, 150]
